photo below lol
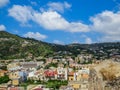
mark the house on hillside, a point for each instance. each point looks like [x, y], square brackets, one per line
[15, 78]
[50, 74]
[62, 73]
[29, 65]
[3, 73]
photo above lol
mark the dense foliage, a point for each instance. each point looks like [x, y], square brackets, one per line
[51, 65]
[55, 84]
[4, 79]
[15, 47]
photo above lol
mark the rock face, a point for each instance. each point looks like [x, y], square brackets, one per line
[109, 71]
[107, 68]
[113, 85]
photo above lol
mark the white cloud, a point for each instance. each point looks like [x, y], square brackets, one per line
[50, 20]
[21, 13]
[2, 28]
[58, 42]
[110, 38]
[67, 5]
[88, 40]
[58, 6]
[107, 23]
[36, 35]
[3, 3]
[77, 27]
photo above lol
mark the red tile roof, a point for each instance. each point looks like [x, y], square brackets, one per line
[50, 73]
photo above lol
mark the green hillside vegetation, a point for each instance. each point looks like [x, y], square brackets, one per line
[15, 47]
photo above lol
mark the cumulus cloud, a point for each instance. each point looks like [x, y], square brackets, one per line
[3, 3]
[110, 38]
[2, 28]
[21, 13]
[58, 42]
[50, 20]
[107, 23]
[88, 40]
[58, 6]
[35, 35]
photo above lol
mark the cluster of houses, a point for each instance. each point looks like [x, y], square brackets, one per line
[77, 75]
[20, 72]
[84, 58]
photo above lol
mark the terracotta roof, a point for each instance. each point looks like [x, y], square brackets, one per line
[4, 71]
[71, 73]
[85, 76]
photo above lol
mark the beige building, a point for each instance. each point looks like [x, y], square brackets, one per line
[14, 76]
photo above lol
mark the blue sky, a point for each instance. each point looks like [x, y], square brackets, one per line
[62, 21]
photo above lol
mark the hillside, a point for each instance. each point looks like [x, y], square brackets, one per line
[13, 46]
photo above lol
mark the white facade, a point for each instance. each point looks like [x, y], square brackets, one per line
[62, 73]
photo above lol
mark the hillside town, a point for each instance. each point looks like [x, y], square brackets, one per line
[59, 44]
[28, 64]
[54, 74]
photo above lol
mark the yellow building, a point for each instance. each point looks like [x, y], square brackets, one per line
[14, 77]
[71, 76]
[15, 82]
[75, 84]
[78, 85]
[79, 79]
[75, 81]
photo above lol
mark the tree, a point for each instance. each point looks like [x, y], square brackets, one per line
[4, 79]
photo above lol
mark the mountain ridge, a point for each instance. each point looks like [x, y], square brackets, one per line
[13, 46]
